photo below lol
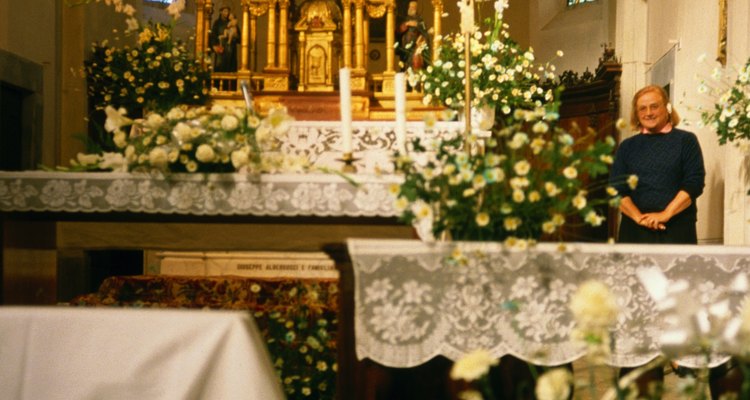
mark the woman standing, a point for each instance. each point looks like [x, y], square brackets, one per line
[669, 165]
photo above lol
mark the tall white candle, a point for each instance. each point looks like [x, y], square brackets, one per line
[345, 97]
[399, 84]
[467, 16]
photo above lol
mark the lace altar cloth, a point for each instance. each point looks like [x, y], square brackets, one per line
[372, 141]
[309, 194]
[412, 305]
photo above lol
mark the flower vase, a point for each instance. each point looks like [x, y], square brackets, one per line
[482, 119]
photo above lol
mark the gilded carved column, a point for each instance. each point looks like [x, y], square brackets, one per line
[283, 32]
[204, 11]
[358, 34]
[200, 44]
[253, 41]
[390, 35]
[256, 10]
[271, 47]
[347, 22]
[436, 26]
[366, 44]
[245, 41]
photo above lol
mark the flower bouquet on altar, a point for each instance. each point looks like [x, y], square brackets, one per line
[156, 74]
[528, 176]
[532, 176]
[503, 75]
[219, 139]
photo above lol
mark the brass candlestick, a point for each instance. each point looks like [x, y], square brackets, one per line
[348, 159]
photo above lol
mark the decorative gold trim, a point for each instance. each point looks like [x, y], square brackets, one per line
[376, 10]
[257, 9]
[721, 55]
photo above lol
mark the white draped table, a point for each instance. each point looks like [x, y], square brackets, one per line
[287, 195]
[98, 353]
[411, 304]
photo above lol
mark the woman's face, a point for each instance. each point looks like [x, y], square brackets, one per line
[652, 111]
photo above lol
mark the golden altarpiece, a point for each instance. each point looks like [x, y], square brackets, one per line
[306, 44]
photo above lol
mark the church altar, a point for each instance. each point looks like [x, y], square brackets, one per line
[411, 305]
[51, 218]
[279, 195]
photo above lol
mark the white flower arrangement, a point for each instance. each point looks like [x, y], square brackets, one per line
[219, 139]
[527, 184]
[730, 114]
[502, 74]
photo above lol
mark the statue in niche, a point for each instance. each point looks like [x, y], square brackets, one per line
[223, 40]
[413, 40]
[317, 60]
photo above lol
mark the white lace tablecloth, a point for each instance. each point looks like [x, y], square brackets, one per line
[411, 305]
[372, 141]
[309, 194]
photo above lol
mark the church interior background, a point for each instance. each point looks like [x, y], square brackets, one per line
[42, 59]
[290, 51]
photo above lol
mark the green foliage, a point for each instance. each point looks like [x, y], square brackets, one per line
[158, 73]
[532, 176]
[730, 115]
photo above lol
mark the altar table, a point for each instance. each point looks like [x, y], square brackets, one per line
[79, 353]
[412, 305]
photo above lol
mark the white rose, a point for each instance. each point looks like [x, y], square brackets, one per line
[473, 366]
[157, 157]
[175, 113]
[593, 306]
[182, 132]
[263, 134]
[239, 159]
[120, 139]
[229, 123]
[554, 385]
[205, 153]
[154, 120]
[87, 159]
[218, 109]
[114, 161]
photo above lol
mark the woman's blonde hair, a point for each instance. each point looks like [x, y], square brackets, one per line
[635, 123]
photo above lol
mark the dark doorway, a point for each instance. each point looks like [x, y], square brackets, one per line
[11, 127]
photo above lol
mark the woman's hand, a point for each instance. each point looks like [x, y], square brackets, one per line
[655, 221]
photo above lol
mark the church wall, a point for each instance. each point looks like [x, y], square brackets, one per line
[578, 31]
[736, 200]
[28, 29]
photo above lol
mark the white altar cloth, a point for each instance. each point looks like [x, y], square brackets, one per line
[289, 195]
[87, 353]
[411, 305]
[372, 141]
